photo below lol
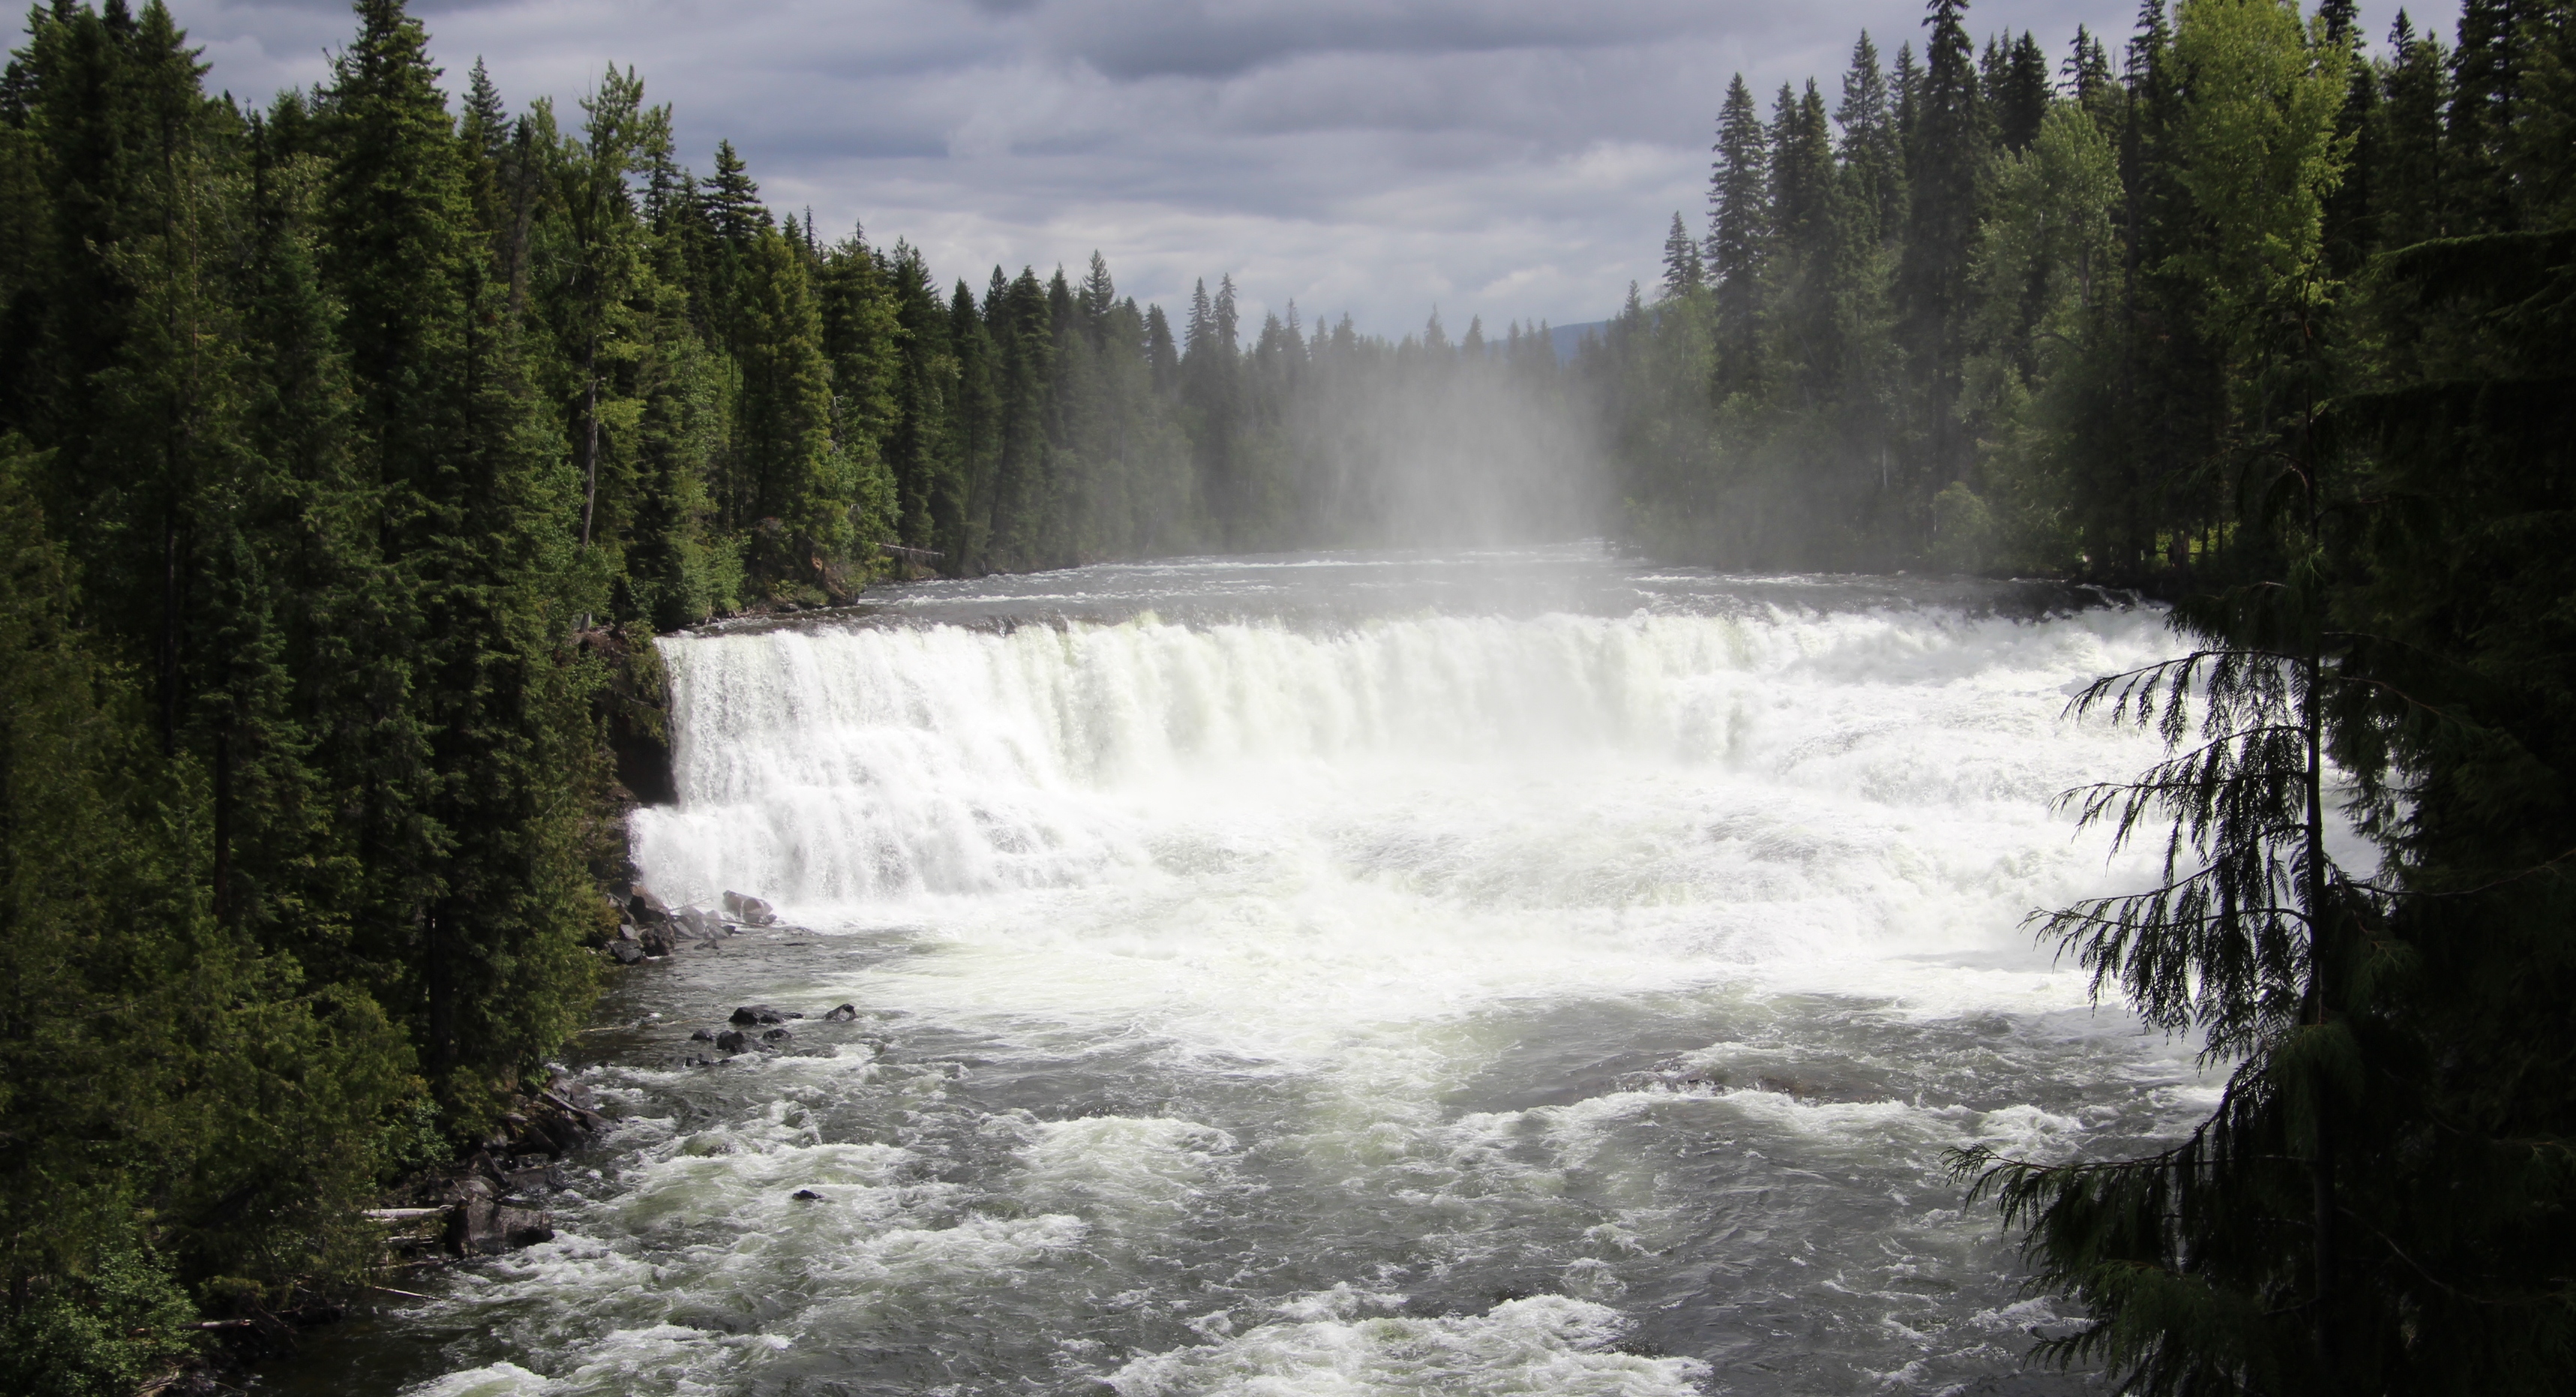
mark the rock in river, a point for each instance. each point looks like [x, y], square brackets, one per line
[748, 910]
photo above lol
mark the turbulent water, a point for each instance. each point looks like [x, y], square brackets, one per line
[1490, 974]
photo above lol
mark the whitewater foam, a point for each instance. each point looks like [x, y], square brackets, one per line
[1320, 999]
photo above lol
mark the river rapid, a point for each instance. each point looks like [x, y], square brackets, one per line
[1531, 972]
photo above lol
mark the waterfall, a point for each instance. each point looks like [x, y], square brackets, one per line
[1274, 978]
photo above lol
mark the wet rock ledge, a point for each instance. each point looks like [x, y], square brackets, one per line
[647, 929]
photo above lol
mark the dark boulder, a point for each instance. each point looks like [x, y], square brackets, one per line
[534, 1178]
[568, 1090]
[748, 910]
[733, 1040]
[656, 941]
[750, 1014]
[646, 909]
[806, 1195]
[703, 1035]
[486, 1227]
[843, 1014]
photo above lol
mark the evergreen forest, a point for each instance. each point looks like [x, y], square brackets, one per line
[354, 447]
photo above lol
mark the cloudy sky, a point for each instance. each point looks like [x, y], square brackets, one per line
[1514, 159]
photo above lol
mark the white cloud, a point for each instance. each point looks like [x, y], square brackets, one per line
[1515, 159]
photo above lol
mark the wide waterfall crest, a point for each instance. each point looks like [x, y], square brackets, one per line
[857, 765]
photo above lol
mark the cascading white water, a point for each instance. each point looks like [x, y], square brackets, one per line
[1351, 999]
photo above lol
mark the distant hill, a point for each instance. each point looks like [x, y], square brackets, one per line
[1566, 337]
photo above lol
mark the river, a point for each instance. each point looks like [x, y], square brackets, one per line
[1510, 972]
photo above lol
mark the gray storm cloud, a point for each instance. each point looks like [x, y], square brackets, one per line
[1510, 159]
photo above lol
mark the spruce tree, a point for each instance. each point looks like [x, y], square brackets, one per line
[974, 436]
[1682, 271]
[1809, 265]
[1948, 167]
[2414, 180]
[1738, 235]
[2022, 97]
[1872, 162]
[801, 488]
[929, 493]
[605, 269]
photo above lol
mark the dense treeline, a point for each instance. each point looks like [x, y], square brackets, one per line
[1986, 310]
[2282, 329]
[350, 449]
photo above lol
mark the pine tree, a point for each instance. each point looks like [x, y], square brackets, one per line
[605, 269]
[1682, 272]
[733, 199]
[974, 435]
[1739, 225]
[1872, 161]
[1023, 367]
[1905, 81]
[2021, 98]
[929, 494]
[2414, 178]
[1099, 296]
[1160, 352]
[2486, 72]
[802, 488]
[2088, 73]
[1808, 261]
[1948, 166]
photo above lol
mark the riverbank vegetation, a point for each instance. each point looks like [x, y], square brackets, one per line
[350, 445]
[2280, 329]
[349, 449]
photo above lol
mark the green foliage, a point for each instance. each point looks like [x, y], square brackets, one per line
[2258, 152]
[2071, 305]
[103, 1334]
[2281, 332]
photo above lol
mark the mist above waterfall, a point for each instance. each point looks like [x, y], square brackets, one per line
[1425, 444]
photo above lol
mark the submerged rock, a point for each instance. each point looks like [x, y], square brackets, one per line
[776, 1035]
[843, 1014]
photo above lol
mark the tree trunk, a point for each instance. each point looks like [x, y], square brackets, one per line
[590, 449]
